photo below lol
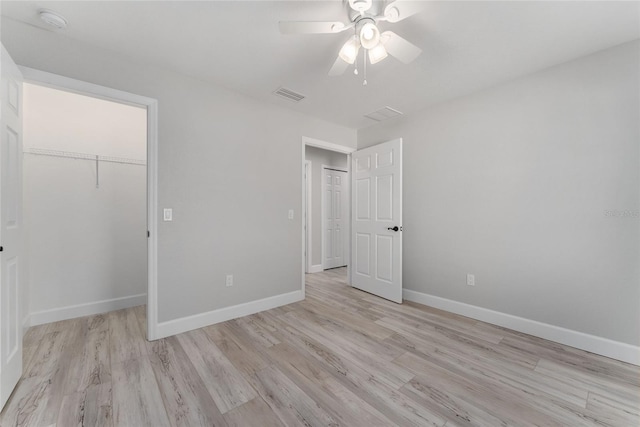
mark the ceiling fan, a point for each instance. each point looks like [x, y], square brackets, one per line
[364, 17]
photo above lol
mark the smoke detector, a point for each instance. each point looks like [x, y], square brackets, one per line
[53, 19]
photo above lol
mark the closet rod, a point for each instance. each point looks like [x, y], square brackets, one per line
[83, 156]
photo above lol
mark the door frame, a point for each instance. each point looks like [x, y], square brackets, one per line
[323, 188]
[308, 167]
[55, 81]
[312, 142]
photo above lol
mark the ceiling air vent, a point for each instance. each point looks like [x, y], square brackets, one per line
[289, 94]
[383, 114]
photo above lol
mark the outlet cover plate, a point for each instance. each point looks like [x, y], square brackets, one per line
[471, 280]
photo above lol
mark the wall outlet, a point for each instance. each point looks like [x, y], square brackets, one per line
[471, 280]
[290, 213]
[229, 280]
[167, 214]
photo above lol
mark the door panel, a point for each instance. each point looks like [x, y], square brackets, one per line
[377, 204]
[384, 257]
[10, 227]
[363, 163]
[363, 195]
[362, 254]
[384, 199]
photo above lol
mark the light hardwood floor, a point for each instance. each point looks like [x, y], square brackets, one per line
[341, 357]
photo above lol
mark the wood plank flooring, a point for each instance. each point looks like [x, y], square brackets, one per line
[342, 357]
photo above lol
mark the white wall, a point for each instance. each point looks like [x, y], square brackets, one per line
[319, 157]
[60, 120]
[85, 245]
[228, 165]
[515, 184]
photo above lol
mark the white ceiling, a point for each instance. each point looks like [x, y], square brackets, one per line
[466, 46]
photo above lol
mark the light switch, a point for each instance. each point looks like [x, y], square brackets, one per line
[290, 213]
[168, 214]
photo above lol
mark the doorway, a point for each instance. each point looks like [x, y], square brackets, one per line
[84, 204]
[375, 216]
[317, 156]
[142, 168]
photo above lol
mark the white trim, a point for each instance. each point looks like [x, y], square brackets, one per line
[303, 209]
[56, 81]
[77, 86]
[26, 324]
[308, 169]
[350, 219]
[326, 145]
[315, 268]
[152, 220]
[594, 344]
[189, 323]
[323, 226]
[87, 309]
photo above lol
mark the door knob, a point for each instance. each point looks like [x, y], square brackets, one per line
[393, 228]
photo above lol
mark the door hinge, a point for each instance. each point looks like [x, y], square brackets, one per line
[148, 233]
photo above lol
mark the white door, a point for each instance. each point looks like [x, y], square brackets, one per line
[334, 218]
[376, 230]
[10, 226]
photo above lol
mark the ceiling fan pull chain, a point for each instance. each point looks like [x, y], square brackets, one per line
[355, 63]
[364, 58]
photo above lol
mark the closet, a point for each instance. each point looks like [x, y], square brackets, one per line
[84, 196]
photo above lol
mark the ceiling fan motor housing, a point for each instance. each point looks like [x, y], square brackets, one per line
[369, 9]
[360, 5]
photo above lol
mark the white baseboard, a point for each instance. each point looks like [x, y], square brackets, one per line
[594, 344]
[26, 323]
[184, 324]
[87, 309]
[315, 268]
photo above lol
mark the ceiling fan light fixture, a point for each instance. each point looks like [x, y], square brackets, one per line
[369, 35]
[349, 51]
[377, 54]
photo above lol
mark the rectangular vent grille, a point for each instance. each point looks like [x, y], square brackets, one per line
[383, 114]
[289, 94]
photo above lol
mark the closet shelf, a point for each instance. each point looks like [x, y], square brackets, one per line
[84, 156]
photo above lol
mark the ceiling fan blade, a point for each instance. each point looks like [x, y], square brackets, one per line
[312, 27]
[398, 47]
[339, 67]
[399, 10]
